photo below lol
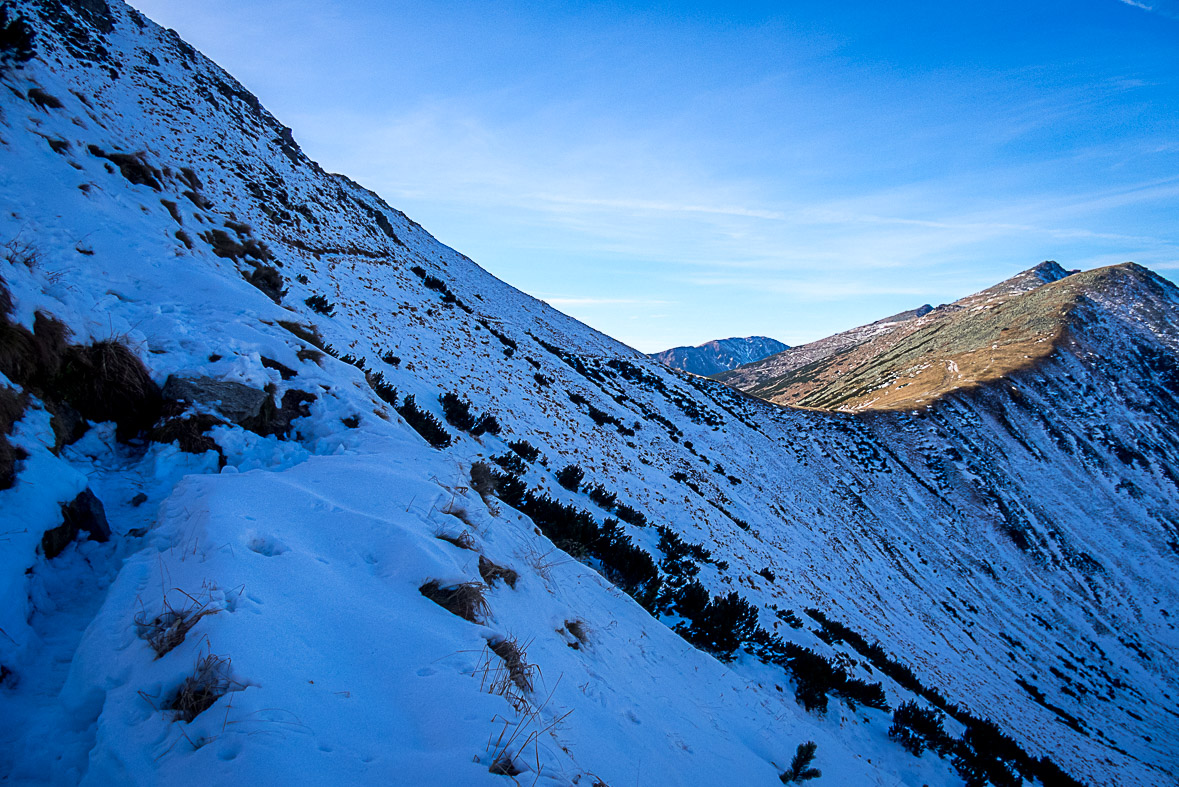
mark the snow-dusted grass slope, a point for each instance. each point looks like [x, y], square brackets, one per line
[1023, 532]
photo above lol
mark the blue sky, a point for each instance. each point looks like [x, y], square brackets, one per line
[677, 172]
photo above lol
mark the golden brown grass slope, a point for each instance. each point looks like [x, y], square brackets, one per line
[974, 341]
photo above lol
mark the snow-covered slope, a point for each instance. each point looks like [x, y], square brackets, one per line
[719, 355]
[1012, 549]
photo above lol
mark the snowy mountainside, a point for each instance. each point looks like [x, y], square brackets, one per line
[719, 355]
[1012, 548]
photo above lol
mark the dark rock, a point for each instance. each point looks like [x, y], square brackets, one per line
[295, 404]
[139, 499]
[247, 407]
[239, 404]
[84, 513]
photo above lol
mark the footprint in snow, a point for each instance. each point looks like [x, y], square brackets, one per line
[267, 545]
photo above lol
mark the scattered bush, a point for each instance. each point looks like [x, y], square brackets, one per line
[800, 767]
[570, 477]
[269, 281]
[630, 515]
[917, 728]
[466, 599]
[600, 495]
[391, 359]
[424, 424]
[511, 463]
[320, 304]
[381, 388]
[723, 624]
[487, 424]
[457, 412]
[526, 450]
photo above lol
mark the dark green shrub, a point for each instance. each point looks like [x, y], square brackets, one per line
[320, 304]
[529, 452]
[382, 388]
[487, 424]
[510, 463]
[800, 767]
[917, 728]
[601, 496]
[423, 423]
[457, 411]
[723, 625]
[570, 477]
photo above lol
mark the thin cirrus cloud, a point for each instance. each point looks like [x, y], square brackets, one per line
[787, 170]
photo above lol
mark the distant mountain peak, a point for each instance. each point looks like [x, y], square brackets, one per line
[720, 355]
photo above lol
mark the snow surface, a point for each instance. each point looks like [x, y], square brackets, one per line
[309, 552]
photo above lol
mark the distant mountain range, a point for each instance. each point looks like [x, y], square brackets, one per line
[719, 355]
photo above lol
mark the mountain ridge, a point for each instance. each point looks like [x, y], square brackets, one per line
[978, 339]
[1011, 545]
[719, 355]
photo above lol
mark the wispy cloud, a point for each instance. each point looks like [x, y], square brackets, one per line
[585, 301]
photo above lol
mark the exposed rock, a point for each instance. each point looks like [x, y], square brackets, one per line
[249, 408]
[240, 404]
[84, 513]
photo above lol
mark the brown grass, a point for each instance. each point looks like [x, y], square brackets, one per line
[209, 682]
[520, 672]
[307, 333]
[105, 381]
[578, 630]
[482, 480]
[493, 571]
[466, 599]
[462, 540]
[33, 358]
[169, 628]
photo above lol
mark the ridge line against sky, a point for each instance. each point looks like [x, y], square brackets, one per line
[675, 173]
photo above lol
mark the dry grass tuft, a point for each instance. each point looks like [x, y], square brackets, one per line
[308, 333]
[209, 682]
[577, 629]
[105, 381]
[503, 766]
[169, 628]
[467, 599]
[493, 571]
[462, 540]
[520, 672]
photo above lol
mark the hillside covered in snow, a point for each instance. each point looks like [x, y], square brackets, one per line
[293, 493]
